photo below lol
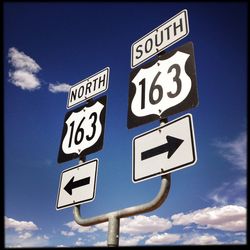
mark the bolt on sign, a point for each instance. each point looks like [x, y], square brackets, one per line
[83, 130]
[160, 38]
[163, 87]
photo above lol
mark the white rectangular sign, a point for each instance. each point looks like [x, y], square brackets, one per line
[88, 88]
[164, 149]
[160, 38]
[77, 185]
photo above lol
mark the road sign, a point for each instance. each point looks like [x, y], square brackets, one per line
[163, 87]
[83, 130]
[164, 149]
[160, 38]
[77, 185]
[88, 88]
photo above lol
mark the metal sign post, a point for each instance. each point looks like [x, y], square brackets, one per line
[113, 218]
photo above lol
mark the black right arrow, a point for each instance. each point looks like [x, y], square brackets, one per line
[71, 184]
[170, 147]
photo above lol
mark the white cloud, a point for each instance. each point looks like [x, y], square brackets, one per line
[161, 239]
[100, 243]
[59, 87]
[130, 241]
[19, 225]
[75, 227]
[21, 61]
[24, 236]
[227, 218]
[102, 226]
[25, 240]
[24, 72]
[65, 233]
[79, 242]
[25, 80]
[235, 151]
[144, 224]
[205, 239]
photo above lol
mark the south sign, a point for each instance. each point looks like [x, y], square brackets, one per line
[163, 87]
[83, 130]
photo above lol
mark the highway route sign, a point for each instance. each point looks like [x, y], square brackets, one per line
[163, 87]
[164, 149]
[83, 130]
[88, 88]
[77, 184]
[165, 35]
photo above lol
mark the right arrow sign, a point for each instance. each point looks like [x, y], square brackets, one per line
[164, 149]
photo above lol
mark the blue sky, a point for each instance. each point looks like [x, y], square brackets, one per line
[50, 46]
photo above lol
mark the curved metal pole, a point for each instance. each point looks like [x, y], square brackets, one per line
[130, 211]
[114, 217]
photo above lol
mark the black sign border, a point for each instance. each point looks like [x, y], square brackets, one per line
[190, 101]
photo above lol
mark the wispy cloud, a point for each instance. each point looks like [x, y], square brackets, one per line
[59, 87]
[68, 234]
[234, 151]
[24, 70]
[232, 191]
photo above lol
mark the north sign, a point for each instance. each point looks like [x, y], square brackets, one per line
[83, 130]
[160, 38]
[164, 149]
[88, 88]
[163, 87]
[77, 185]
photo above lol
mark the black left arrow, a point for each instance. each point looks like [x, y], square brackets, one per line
[170, 147]
[71, 184]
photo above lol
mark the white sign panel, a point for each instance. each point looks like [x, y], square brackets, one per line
[88, 88]
[77, 185]
[164, 149]
[160, 38]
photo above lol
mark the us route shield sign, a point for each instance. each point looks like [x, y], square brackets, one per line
[83, 130]
[163, 87]
[164, 149]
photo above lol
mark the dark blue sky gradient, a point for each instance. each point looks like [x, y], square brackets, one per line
[71, 41]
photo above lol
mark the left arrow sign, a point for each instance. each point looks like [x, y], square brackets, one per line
[71, 184]
[77, 184]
